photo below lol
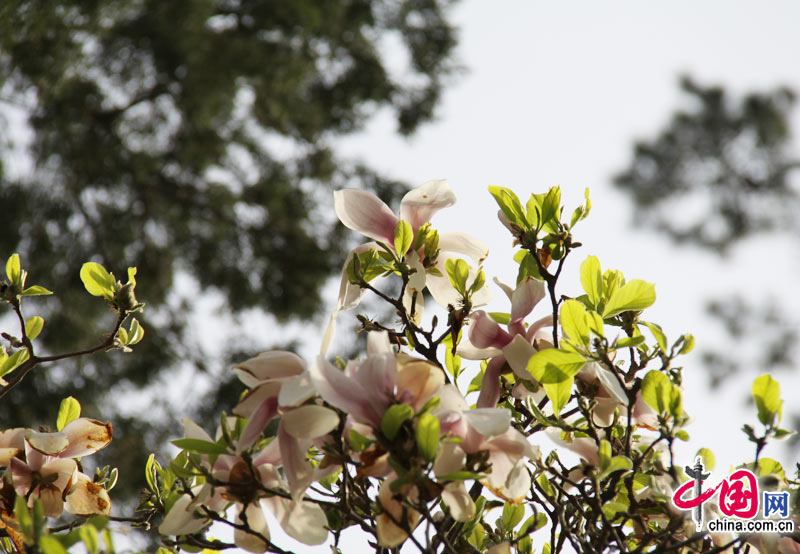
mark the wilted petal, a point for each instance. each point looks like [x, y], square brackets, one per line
[50, 444]
[463, 243]
[309, 422]
[87, 498]
[12, 442]
[489, 422]
[518, 353]
[484, 332]
[86, 436]
[52, 503]
[180, 519]
[275, 364]
[364, 212]
[21, 476]
[254, 516]
[419, 204]
[458, 500]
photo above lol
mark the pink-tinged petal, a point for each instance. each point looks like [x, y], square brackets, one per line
[451, 458]
[376, 375]
[256, 423]
[350, 295]
[419, 204]
[257, 396]
[484, 332]
[506, 289]
[643, 414]
[296, 391]
[21, 476]
[192, 430]
[310, 421]
[298, 470]
[458, 500]
[490, 386]
[366, 213]
[469, 351]
[254, 516]
[419, 380]
[274, 365]
[529, 293]
[489, 422]
[13, 438]
[267, 474]
[533, 333]
[343, 392]
[517, 353]
[463, 243]
[450, 400]
[87, 498]
[65, 470]
[86, 436]
[49, 444]
[180, 519]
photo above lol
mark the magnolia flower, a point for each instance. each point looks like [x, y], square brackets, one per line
[366, 213]
[390, 534]
[366, 388]
[12, 443]
[50, 473]
[252, 488]
[514, 346]
[280, 386]
[483, 430]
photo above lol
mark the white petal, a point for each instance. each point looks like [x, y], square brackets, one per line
[257, 523]
[304, 521]
[364, 212]
[471, 352]
[378, 343]
[525, 297]
[180, 519]
[419, 205]
[442, 291]
[273, 365]
[296, 391]
[451, 458]
[489, 422]
[463, 243]
[611, 384]
[508, 290]
[458, 500]
[192, 430]
[310, 422]
[518, 352]
[518, 482]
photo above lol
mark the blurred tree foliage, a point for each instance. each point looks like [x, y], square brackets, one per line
[717, 174]
[194, 140]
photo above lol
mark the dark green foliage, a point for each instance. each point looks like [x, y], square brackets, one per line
[192, 137]
[731, 159]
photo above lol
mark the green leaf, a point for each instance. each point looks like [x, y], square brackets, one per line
[70, 410]
[573, 321]
[682, 435]
[688, 344]
[708, 458]
[769, 466]
[554, 365]
[200, 446]
[767, 394]
[604, 453]
[657, 391]
[613, 279]
[635, 295]
[13, 270]
[581, 211]
[512, 515]
[459, 476]
[551, 210]
[592, 280]
[509, 204]
[618, 463]
[89, 537]
[661, 339]
[51, 545]
[626, 342]
[477, 381]
[500, 317]
[36, 290]
[33, 327]
[97, 280]
[136, 332]
[427, 435]
[457, 272]
[559, 393]
[394, 418]
[14, 361]
[403, 238]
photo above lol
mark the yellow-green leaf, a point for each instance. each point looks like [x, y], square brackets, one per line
[555, 365]
[36, 290]
[427, 435]
[33, 327]
[97, 280]
[403, 238]
[767, 394]
[70, 410]
[13, 269]
[559, 393]
[635, 295]
[573, 321]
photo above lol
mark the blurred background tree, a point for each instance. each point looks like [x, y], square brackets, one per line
[722, 172]
[194, 139]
